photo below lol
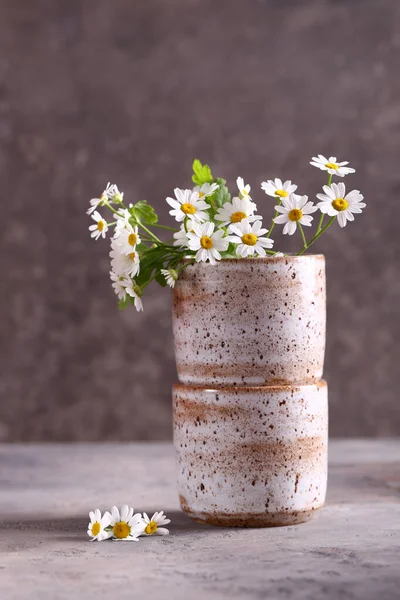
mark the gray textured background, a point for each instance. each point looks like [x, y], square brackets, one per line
[131, 91]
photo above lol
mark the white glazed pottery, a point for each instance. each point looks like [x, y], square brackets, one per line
[250, 412]
[251, 456]
[251, 321]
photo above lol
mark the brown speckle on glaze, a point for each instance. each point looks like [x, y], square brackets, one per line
[250, 322]
[264, 462]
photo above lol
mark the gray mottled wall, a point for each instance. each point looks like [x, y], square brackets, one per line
[131, 91]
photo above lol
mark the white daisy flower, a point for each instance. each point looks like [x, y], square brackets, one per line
[122, 218]
[236, 211]
[110, 191]
[335, 202]
[248, 237]
[100, 228]
[188, 204]
[331, 165]
[152, 526]
[134, 291]
[119, 283]
[97, 525]
[277, 189]
[170, 276]
[124, 264]
[180, 237]
[206, 190]
[295, 209]
[208, 243]
[126, 237]
[125, 525]
[244, 190]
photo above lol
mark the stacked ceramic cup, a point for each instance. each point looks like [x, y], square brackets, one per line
[250, 411]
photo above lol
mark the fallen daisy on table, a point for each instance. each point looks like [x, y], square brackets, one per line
[123, 525]
[152, 526]
[212, 223]
[97, 526]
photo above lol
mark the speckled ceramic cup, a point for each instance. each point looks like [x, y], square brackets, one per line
[251, 321]
[251, 456]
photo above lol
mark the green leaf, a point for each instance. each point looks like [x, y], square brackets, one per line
[161, 279]
[144, 212]
[221, 195]
[201, 173]
[141, 248]
[151, 260]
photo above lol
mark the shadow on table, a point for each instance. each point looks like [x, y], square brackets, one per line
[76, 527]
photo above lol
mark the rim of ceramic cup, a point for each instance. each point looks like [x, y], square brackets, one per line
[256, 259]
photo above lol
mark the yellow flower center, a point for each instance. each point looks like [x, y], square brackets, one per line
[281, 193]
[96, 528]
[340, 204]
[102, 196]
[100, 225]
[332, 166]
[245, 193]
[188, 209]
[206, 242]
[151, 528]
[238, 216]
[132, 239]
[121, 530]
[250, 239]
[295, 214]
[132, 256]
[201, 194]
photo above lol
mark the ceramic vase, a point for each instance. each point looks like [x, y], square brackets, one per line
[250, 409]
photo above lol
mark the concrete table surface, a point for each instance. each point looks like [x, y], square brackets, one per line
[350, 550]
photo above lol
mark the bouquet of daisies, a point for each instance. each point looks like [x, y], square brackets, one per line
[211, 224]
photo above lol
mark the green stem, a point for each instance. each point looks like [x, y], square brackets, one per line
[322, 215]
[320, 222]
[303, 236]
[111, 208]
[165, 227]
[150, 233]
[317, 235]
[273, 220]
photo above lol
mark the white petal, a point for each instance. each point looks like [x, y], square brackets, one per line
[330, 191]
[115, 514]
[309, 208]
[281, 219]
